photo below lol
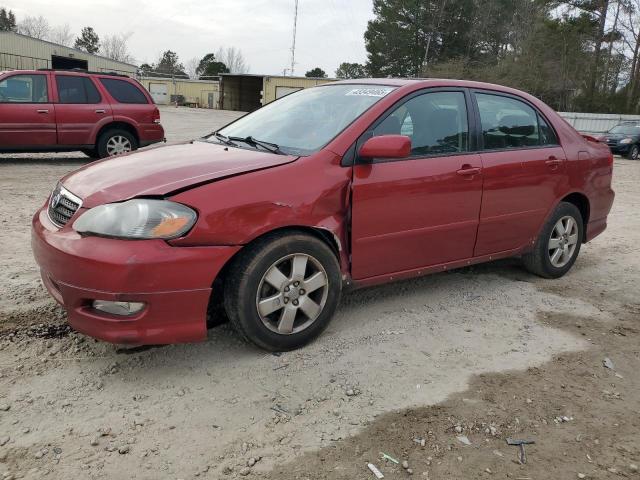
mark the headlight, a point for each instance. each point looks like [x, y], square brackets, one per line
[626, 141]
[137, 219]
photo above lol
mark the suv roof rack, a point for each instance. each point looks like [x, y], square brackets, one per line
[82, 70]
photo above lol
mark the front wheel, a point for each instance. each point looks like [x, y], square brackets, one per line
[634, 152]
[558, 244]
[283, 291]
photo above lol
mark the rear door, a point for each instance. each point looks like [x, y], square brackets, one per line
[422, 210]
[524, 171]
[27, 115]
[80, 109]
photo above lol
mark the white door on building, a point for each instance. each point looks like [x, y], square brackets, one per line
[284, 91]
[159, 93]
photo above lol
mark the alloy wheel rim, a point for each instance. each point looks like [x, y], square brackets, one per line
[117, 145]
[563, 241]
[292, 294]
[634, 152]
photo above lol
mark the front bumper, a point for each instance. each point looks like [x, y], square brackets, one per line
[174, 283]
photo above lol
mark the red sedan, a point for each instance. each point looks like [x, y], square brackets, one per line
[352, 183]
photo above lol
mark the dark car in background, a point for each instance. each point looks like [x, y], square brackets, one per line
[624, 139]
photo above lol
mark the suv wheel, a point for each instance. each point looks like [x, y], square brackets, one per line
[634, 152]
[558, 244]
[283, 291]
[115, 142]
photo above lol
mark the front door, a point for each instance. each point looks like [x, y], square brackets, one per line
[80, 107]
[27, 115]
[423, 210]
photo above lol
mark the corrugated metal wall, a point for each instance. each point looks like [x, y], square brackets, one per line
[596, 122]
[22, 52]
[194, 91]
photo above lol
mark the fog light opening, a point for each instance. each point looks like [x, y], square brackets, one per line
[123, 309]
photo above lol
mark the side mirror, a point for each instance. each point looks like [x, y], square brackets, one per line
[386, 146]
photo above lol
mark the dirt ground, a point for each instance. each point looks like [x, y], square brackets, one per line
[482, 353]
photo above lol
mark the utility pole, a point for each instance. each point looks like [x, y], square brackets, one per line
[293, 44]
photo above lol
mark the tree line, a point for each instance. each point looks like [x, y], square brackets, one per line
[575, 55]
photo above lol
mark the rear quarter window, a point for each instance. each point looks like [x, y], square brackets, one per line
[123, 91]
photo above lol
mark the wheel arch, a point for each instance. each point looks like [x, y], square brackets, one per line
[118, 125]
[581, 201]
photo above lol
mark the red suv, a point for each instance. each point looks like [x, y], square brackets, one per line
[351, 183]
[52, 110]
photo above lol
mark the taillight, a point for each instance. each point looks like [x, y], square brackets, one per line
[156, 115]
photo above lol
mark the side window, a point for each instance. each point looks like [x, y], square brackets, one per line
[74, 89]
[547, 135]
[123, 91]
[436, 123]
[24, 89]
[507, 123]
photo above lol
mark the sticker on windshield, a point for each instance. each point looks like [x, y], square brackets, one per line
[370, 92]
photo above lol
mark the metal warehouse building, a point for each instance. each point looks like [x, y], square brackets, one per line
[203, 93]
[248, 92]
[27, 53]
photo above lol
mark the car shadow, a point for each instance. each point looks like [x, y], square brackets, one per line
[381, 298]
[24, 159]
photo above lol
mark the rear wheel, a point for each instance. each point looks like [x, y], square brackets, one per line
[115, 142]
[558, 244]
[634, 152]
[283, 291]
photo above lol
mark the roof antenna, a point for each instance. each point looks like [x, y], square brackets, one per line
[293, 44]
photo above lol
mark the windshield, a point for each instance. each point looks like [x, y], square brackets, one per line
[626, 129]
[305, 121]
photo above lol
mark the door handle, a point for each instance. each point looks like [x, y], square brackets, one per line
[44, 110]
[468, 170]
[553, 162]
[100, 110]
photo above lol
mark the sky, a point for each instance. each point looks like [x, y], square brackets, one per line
[329, 31]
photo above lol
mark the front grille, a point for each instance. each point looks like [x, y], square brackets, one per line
[62, 206]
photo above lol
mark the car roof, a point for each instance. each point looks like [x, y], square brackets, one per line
[428, 82]
[66, 72]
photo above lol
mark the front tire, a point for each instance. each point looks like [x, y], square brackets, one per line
[558, 244]
[283, 291]
[634, 152]
[115, 142]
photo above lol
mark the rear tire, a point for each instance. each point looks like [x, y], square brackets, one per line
[115, 142]
[265, 297]
[558, 244]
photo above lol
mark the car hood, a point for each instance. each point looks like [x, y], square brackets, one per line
[163, 170]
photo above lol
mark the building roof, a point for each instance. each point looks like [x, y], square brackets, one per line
[274, 76]
[70, 48]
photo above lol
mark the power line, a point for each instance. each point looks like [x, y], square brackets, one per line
[293, 44]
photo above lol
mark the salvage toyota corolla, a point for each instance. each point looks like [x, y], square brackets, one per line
[352, 183]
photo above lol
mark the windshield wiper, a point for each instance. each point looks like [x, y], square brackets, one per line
[271, 147]
[224, 139]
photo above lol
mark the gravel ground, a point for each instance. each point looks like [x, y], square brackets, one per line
[452, 354]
